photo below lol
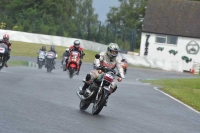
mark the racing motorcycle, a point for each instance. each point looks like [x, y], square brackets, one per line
[124, 66]
[98, 91]
[41, 59]
[3, 56]
[50, 57]
[64, 63]
[73, 64]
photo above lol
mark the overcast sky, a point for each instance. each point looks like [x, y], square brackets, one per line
[102, 7]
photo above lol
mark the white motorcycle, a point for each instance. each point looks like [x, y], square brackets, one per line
[41, 59]
[3, 56]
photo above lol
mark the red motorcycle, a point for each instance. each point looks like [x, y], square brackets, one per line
[73, 64]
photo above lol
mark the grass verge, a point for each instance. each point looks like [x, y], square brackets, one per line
[186, 90]
[17, 63]
[31, 49]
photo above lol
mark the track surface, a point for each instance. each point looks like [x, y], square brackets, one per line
[34, 101]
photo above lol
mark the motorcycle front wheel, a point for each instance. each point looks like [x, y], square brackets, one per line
[40, 63]
[99, 104]
[2, 61]
[71, 72]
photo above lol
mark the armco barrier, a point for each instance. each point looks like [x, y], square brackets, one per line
[163, 64]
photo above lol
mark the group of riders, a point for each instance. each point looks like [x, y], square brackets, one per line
[108, 59]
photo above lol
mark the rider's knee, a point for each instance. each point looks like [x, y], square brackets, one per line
[88, 77]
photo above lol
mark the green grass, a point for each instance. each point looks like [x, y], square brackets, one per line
[186, 90]
[17, 63]
[31, 49]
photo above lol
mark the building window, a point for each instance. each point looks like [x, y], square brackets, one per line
[166, 39]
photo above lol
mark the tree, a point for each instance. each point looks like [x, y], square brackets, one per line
[70, 18]
[127, 17]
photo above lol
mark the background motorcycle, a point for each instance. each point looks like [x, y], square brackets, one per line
[64, 63]
[50, 57]
[124, 66]
[98, 91]
[41, 59]
[3, 54]
[73, 64]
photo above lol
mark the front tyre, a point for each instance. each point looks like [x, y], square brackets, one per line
[71, 72]
[40, 65]
[99, 104]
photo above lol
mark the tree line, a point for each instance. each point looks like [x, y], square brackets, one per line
[77, 19]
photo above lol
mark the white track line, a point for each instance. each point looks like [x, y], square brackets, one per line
[156, 88]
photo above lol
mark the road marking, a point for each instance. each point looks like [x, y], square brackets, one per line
[156, 88]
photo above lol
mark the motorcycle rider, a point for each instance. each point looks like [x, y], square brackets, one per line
[6, 41]
[65, 54]
[77, 47]
[42, 49]
[108, 59]
[124, 61]
[52, 49]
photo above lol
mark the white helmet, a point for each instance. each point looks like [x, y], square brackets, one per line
[67, 50]
[113, 47]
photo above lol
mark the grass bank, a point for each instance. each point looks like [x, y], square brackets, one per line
[186, 90]
[31, 49]
[17, 63]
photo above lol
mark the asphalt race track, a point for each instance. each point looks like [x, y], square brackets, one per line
[34, 101]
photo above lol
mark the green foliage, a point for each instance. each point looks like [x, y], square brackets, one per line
[76, 19]
[128, 15]
[52, 17]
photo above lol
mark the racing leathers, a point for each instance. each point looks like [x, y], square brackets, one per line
[65, 54]
[38, 55]
[54, 62]
[105, 61]
[80, 50]
[8, 43]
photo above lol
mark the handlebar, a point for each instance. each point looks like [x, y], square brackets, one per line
[105, 69]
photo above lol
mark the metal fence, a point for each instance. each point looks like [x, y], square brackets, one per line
[105, 33]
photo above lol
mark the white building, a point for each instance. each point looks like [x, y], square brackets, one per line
[172, 30]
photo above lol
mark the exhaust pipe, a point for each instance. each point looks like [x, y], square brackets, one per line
[82, 97]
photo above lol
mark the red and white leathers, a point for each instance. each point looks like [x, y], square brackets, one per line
[79, 49]
[106, 61]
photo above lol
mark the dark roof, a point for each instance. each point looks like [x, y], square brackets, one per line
[173, 17]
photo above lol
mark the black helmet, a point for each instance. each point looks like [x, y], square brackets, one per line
[43, 48]
[123, 60]
[76, 44]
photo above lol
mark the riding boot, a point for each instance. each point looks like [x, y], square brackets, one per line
[86, 85]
